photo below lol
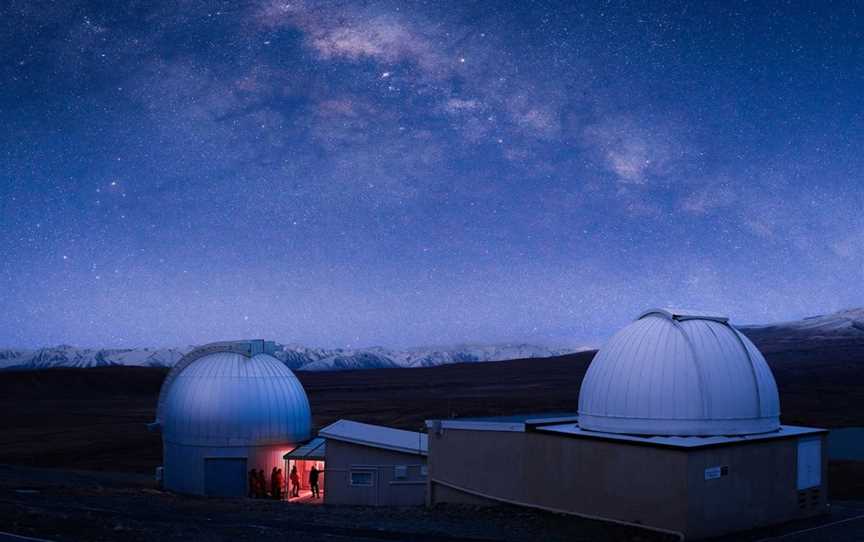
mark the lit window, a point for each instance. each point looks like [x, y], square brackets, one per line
[361, 478]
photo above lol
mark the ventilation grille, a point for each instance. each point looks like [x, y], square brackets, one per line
[808, 499]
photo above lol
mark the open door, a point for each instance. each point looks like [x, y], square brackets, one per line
[303, 468]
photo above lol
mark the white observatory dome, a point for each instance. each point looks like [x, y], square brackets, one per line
[228, 399]
[682, 373]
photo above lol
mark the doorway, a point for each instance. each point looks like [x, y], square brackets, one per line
[304, 466]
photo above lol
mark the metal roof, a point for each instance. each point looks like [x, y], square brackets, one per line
[785, 431]
[377, 436]
[474, 425]
[225, 398]
[513, 423]
[314, 449]
[247, 348]
[677, 372]
[532, 417]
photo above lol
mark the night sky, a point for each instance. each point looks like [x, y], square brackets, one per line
[393, 173]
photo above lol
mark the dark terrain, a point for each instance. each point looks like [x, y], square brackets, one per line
[93, 420]
[81, 505]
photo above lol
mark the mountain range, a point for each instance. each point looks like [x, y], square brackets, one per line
[836, 338]
[832, 338]
[297, 357]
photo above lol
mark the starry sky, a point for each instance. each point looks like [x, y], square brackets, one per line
[413, 173]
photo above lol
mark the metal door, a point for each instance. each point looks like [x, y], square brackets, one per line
[225, 477]
[809, 462]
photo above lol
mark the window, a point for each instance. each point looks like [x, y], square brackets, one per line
[424, 471]
[361, 478]
[400, 472]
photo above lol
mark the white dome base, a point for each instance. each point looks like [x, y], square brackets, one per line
[678, 427]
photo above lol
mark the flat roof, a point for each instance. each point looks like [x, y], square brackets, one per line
[514, 422]
[567, 425]
[524, 418]
[314, 449]
[377, 436]
[573, 430]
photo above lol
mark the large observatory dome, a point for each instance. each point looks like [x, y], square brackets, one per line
[679, 373]
[228, 399]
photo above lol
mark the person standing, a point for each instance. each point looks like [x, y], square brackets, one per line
[274, 484]
[295, 481]
[262, 484]
[313, 481]
[280, 484]
[253, 484]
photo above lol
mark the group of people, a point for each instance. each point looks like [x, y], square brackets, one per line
[258, 483]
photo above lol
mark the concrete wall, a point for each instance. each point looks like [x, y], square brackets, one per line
[657, 487]
[642, 485]
[342, 457]
[184, 465]
[759, 489]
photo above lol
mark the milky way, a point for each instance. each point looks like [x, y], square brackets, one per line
[398, 173]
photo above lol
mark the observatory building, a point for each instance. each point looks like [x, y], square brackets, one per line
[224, 409]
[678, 430]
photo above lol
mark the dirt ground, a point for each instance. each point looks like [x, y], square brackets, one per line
[78, 505]
[68, 505]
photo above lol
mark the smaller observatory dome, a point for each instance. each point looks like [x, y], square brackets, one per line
[684, 373]
[228, 399]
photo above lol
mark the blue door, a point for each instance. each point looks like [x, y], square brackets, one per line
[225, 477]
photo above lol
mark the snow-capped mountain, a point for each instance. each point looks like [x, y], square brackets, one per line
[70, 356]
[381, 358]
[295, 356]
[466, 353]
[848, 322]
[837, 337]
[828, 338]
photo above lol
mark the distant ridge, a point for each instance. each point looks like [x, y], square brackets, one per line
[295, 356]
[831, 338]
[824, 339]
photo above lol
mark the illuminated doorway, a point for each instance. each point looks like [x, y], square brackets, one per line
[303, 459]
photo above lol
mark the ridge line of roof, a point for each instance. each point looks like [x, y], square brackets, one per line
[326, 432]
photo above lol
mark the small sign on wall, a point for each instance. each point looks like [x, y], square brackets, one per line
[712, 473]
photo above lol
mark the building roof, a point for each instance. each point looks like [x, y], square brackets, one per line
[314, 449]
[785, 431]
[532, 417]
[551, 425]
[516, 422]
[247, 348]
[377, 436]
[674, 372]
[227, 398]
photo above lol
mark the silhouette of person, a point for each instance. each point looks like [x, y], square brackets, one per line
[295, 482]
[253, 484]
[313, 481]
[280, 483]
[262, 484]
[274, 484]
